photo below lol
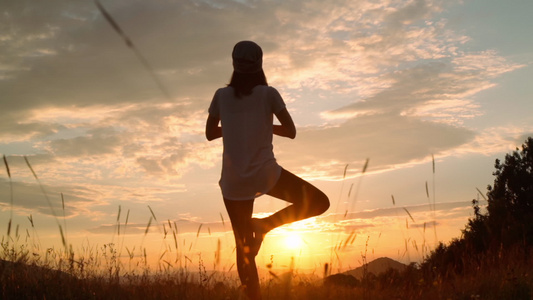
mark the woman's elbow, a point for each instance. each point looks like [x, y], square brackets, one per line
[212, 130]
[292, 133]
[210, 135]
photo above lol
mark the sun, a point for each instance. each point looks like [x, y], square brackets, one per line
[293, 241]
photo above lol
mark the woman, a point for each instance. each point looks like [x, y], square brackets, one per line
[245, 110]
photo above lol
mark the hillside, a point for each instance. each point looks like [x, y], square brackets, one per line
[377, 267]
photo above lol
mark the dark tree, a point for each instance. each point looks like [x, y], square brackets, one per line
[510, 200]
[476, 234]
[507, 223]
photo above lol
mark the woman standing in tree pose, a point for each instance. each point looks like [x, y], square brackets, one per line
[245, 110]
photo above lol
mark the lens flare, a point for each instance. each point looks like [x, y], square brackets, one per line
[293, 241]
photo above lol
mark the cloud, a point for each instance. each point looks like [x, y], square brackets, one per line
[495, 140]
[419, 216]
[180, 226]
[434, 86]
[136, 135]
[16, 127]
[418, 115]
[387, 140]
[364, 220]
[98, 141]
[29, 197]
[439, 208]
[338, 49]
[82, 62]
[384, 80]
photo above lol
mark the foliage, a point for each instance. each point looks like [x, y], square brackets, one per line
[510, 200]
[509, 210]
[504, 233]
[510, 205]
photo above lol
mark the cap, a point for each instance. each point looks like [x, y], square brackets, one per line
[247, 57]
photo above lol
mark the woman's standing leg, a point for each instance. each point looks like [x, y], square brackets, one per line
[240, 214]
[307, 201]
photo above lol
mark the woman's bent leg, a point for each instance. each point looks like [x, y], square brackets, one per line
[240, 213]
[307, 201]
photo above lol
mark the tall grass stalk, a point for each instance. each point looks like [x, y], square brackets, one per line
[10, 198]
[117, 231]
[400, 226]
[357, 189]
[350, 206]
[481, 193]
[135, 50]
[64, 216]
[63, 238]
[339, 200]
[147, 229]
[124, 233]
[433, 208]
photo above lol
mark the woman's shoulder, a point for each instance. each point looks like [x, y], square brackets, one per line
[265, 87]
[272, 92]
[224, 91]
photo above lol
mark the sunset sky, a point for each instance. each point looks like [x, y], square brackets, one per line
[395, 82]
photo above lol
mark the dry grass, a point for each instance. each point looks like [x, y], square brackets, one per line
[508, 279]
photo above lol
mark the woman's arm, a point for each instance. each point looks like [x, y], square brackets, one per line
[287, 128]
[212, 130]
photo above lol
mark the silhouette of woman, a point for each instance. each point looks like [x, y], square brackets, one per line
[244, 109]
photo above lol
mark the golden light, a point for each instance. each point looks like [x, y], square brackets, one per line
[293, 241]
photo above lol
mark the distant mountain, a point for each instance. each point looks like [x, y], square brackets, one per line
[377, 267]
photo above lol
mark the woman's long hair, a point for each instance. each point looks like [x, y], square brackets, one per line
[243, 84]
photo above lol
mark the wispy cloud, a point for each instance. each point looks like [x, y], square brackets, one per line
[28, 198]
[387, 80]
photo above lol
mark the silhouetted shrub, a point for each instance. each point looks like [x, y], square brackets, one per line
[341, 280]
[507, 223]
[510, 200]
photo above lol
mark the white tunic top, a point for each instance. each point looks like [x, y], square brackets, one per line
[249, 168]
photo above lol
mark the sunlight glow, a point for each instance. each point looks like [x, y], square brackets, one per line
[293, 241]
